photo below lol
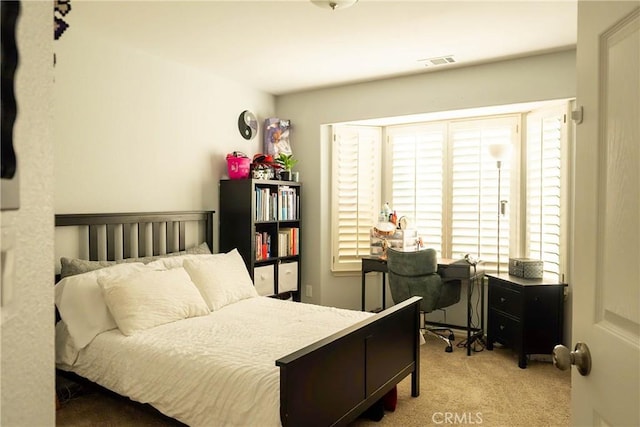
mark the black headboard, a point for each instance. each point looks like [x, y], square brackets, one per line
[113, 235]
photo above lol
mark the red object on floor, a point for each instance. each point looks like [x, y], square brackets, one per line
[390, 400]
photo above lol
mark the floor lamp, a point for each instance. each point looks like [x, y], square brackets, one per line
[499, 152]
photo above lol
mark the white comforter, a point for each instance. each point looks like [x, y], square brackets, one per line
[217, 369]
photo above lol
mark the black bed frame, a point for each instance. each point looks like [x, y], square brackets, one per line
[330, 382]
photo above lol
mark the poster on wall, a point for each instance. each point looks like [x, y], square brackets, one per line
[276, 136]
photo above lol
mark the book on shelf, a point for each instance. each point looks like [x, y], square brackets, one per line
[288, 241]
[288, 201]
[266, 205]
[263, 245]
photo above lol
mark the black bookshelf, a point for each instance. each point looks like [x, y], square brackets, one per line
[261, 218]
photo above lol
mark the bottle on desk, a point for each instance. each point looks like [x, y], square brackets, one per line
[386, 209]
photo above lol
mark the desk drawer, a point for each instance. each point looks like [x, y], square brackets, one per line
[374, 264]
[503, 329]
[505, 299]
[455, 271]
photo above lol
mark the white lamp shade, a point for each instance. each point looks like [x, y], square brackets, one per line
[334, 4]
[499, 151]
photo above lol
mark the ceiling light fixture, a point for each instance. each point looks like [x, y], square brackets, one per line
[334, 4]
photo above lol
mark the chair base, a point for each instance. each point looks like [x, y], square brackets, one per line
[445, 334]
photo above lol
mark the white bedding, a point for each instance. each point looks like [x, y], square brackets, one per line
[217, 369]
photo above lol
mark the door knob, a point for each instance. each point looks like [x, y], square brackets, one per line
[580, 356]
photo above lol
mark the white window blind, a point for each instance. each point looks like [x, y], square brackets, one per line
[445, 181]
[477, 227]
[417, 172]
[543, 188]
[441, 176]
[355, 193]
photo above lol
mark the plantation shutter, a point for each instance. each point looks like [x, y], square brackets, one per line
[355, 193]
[474, 195]
[417, 164]
[543, 208]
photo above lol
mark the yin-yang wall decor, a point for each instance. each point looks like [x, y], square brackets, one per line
[248, 125]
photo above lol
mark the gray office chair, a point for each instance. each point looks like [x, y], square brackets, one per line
[416, 274]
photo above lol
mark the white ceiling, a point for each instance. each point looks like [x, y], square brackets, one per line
[287, 46]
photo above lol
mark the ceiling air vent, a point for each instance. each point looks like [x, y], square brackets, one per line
[438, 60]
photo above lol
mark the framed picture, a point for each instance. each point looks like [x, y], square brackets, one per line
[276, 136]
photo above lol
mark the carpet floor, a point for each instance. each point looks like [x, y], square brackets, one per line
[487, 388]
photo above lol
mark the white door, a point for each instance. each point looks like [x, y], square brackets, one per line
[606, 264]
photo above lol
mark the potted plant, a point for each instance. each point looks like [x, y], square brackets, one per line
[287, 162]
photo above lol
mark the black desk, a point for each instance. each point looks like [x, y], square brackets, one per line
[449, 269]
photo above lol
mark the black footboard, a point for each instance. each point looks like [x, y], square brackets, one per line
[333, 381]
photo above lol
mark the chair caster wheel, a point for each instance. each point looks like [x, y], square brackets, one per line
[449, 349]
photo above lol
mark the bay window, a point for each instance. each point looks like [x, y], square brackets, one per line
[442, 178]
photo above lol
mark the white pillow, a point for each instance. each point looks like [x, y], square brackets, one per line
[81, 304]
[222, 280]
[151, 298]
[178, 261]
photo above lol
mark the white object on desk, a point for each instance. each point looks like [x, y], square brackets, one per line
[397, 239]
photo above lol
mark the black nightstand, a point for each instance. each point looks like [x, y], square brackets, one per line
[525, 314]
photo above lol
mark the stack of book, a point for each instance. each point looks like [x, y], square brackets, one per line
[288, 201]
[263, 246]
[266, 205]
[288, 242]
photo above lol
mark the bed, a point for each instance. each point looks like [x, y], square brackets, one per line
[241, 359]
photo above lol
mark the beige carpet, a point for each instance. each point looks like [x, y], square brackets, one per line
[485, 389]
